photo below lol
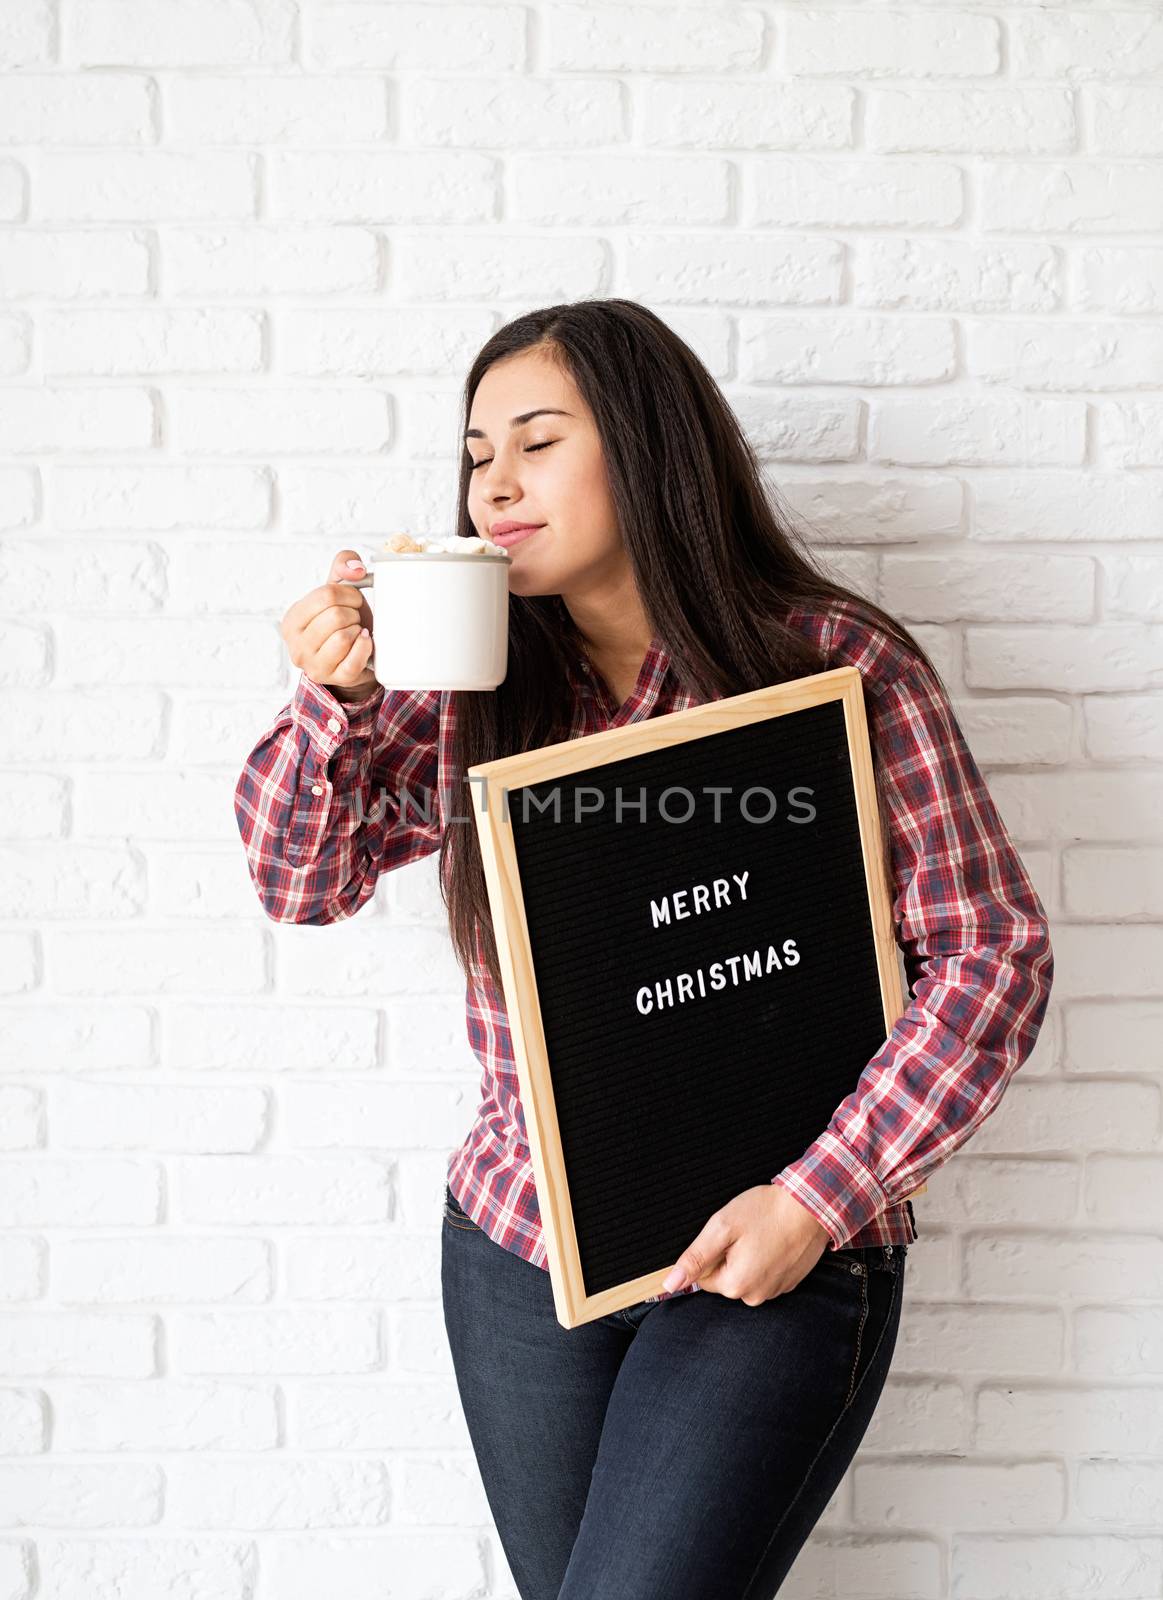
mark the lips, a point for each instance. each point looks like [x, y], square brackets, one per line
[515, 534]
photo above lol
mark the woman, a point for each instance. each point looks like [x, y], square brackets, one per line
[684, 1447]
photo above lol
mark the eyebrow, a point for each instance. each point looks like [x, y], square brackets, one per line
[516, 422]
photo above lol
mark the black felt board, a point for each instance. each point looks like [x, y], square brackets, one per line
[665, 1117]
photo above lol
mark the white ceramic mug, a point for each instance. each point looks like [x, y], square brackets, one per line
[441, 620]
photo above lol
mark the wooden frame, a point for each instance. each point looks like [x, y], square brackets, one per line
[492, 780]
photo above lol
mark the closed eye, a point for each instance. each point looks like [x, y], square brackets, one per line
[529, 450]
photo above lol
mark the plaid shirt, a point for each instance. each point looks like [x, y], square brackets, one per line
[973, 931]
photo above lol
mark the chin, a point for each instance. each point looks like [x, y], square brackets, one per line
[528, 584]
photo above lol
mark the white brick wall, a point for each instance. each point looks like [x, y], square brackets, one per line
[246, 253]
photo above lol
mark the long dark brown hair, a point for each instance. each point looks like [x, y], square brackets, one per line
[717, 558]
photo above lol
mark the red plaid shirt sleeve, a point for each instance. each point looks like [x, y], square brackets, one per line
[977, 954]
[321, 803]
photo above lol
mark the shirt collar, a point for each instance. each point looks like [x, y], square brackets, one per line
[655, 677]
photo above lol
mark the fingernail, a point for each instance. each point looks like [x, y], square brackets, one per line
[355, 563]
[674, 1278]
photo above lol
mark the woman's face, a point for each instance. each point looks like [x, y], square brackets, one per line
[547, 470]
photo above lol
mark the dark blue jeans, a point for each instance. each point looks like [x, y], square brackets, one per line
[676, 1450]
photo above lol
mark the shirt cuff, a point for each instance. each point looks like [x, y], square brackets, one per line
[832, 1182]
[328, 721]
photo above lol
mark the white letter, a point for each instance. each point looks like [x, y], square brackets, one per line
[742, 882]
[790, 954]
[702, 897]
[660, 911]
[679, 898]
[645, 1005]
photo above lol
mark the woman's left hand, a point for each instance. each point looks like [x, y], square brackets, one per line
[755, 1247]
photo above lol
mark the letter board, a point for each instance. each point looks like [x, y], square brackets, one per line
[696, 945]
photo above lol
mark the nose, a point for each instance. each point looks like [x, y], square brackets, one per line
[494, 481]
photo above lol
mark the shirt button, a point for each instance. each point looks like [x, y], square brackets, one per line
[333, 724]
[316, 789]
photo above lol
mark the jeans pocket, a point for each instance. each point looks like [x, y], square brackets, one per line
[843, 1260]
[841, 1281]
[882, 1291]
[454, 1216]
[859, 1269]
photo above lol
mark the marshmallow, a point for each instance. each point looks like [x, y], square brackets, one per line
[404, 544]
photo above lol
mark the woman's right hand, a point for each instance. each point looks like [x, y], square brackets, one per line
[328, 633]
